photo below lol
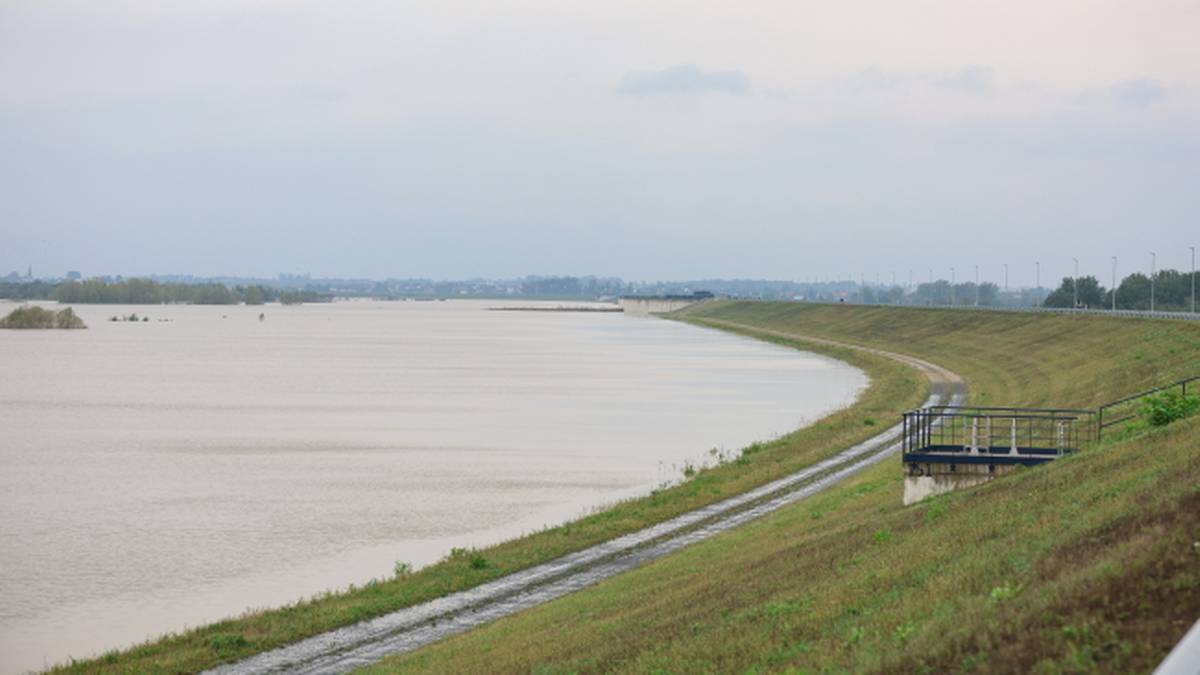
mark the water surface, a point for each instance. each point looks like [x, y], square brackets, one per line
[164, 474]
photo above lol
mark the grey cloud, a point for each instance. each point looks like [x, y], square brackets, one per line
[1139, 92]
[685, 79]
[874, 79]
[317, 93]
[970, 79]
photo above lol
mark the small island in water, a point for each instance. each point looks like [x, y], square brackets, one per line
[39, 317]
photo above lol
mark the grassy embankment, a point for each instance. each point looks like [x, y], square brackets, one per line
[893, 388]
[1087, 564]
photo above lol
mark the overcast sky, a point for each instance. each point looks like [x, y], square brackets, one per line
[648, 140]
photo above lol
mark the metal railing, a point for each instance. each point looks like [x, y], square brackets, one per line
[1128, 408]
[995, 433]
[1020, 435]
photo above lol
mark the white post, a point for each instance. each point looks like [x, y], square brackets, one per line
[1114, 283]
[1153, 265]
[975, 436]
[1013, 449]
[1075, 283]
[1193, 249]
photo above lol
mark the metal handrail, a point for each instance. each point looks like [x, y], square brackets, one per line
[919, 424]
[1101, 424]
[1004, 408]
[1180, 383]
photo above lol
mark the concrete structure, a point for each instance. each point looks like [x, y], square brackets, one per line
[934, 478]
[659, 304]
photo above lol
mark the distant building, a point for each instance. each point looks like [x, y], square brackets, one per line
[74, 275]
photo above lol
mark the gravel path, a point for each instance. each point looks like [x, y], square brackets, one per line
[368, 642]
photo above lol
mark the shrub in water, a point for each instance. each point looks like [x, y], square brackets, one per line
[39, 317]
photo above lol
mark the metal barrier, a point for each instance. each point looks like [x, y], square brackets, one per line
[1003, 435]
[992, 435]
[1125, 409]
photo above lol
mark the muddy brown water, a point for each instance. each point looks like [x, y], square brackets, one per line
[163, 474]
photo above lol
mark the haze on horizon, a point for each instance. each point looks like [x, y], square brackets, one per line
[642, 140]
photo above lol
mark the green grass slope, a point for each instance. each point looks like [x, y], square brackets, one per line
[1088, 564]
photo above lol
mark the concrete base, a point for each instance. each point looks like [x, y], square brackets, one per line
[928, 479]
[647, 306]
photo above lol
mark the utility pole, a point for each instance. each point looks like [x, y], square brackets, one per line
[1007, 300]
[1114, 283]
[977, 285]
[1075, 283]
[952, 281]
[1193, 249]
[931, 287]
[1153, 268]
[1038, 266]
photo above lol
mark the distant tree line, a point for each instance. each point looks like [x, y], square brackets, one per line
[149, 292]
[1172, 292]
[27, 290]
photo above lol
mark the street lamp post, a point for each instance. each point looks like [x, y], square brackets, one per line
[1114, 283]
[1153, 265]
[952, 286]
[1193, 250]
[1007, 299]
[1037, 266]
[1074, 284]
[977, 285]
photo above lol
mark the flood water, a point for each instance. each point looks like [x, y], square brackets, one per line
[163, 474]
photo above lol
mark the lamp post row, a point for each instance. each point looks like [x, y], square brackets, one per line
[1074, 280]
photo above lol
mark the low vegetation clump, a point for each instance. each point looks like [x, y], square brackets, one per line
[41, 318]
[1165, 407]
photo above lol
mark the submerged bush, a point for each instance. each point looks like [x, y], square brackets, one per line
[41, 318]
[1165, 407]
